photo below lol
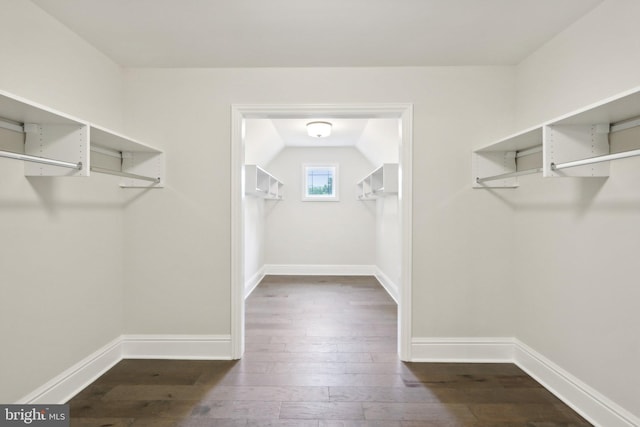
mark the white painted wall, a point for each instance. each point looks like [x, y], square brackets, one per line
[320, 233]
[61, 247]
[388, 243]
[254, 240]
[380, 141]
[577, 240]
[262, 141]
[180, 283]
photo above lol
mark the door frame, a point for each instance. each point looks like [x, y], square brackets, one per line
[240, 112]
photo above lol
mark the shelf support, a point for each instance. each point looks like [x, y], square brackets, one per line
[11, 125]
[564, 143]
[494, 163]
[67, 142]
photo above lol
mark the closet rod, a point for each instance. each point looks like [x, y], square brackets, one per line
[591, 160]
[43, 160]
[124, 174]
[508, 175]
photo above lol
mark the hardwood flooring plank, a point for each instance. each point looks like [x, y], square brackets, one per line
[312, 380]
[309, 357]
[155, 392]
[358, 423]
[322, 410]
[436, 412]
[268, 393]
[525, 413]
[245, 409]
[382, 394]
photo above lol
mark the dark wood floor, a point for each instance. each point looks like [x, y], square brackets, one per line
[320, 351]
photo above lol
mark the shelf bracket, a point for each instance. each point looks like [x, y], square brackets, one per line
[492, 164]
[568, 143]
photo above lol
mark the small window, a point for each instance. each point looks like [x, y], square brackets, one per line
[320, 182]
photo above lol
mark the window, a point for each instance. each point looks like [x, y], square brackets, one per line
[320, 182]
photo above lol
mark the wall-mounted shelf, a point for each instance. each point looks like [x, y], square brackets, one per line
[382, 181]
[261, 183]
[141, 165]
[57, 144]
[574, 145]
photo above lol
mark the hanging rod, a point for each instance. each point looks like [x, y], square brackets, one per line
[508, 175]
[591, 160]
[124, 174]
[43, 160]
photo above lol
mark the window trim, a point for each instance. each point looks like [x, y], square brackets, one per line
[336, 183]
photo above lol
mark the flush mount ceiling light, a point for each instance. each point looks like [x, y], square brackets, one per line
[319, 129]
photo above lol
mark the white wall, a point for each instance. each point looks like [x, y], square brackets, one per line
[380, 141]
[254, 240]
[577, 240]
[180, 283]
[320, 233]
[389, 243]
[61, 250]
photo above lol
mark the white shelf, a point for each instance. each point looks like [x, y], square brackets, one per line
[260, 183]
[50, 134]
[524, 140]
[137, 158]
[382, 181]
[573, 137]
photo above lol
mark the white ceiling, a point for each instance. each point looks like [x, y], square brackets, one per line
[344, 132]
[309, 33]
[377, 139]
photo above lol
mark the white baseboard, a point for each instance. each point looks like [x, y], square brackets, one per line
[319, 270]
[589, 403]
[468, 350]
[389, 285]
[70, 382]
[198, 347]
[73, 380]
[586, 401]
[253, 282]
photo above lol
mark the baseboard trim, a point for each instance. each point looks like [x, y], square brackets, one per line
[463, 350]
[73, 380]
[253, 282]
[192, 347]
[319, 270]
[592, 405]
[389, 285]
[589, 403]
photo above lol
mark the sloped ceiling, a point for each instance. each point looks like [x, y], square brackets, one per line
[377, 139]
[327, 33]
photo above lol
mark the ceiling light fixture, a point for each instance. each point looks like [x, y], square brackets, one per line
[319, 129]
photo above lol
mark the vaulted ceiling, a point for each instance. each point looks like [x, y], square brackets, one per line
[311, 33]
[377, 139]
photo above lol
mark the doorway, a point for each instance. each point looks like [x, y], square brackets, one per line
[241, 113]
